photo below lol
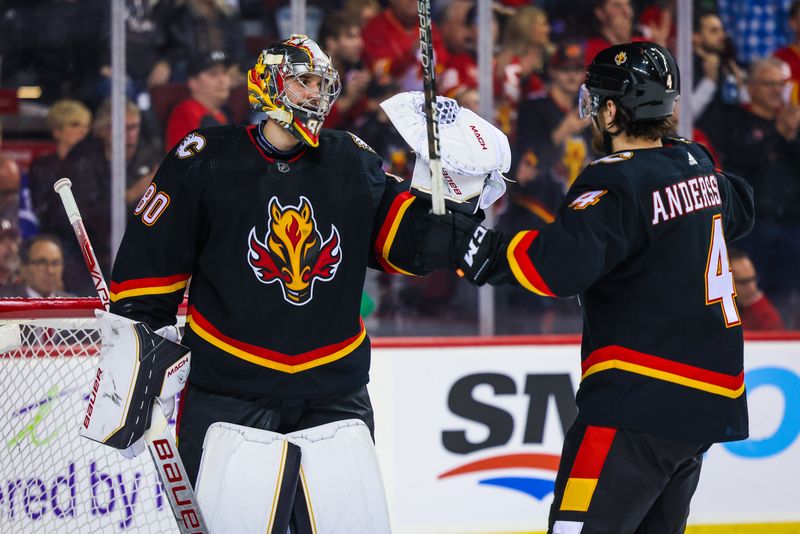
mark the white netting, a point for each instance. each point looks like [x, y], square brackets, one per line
[51, 479]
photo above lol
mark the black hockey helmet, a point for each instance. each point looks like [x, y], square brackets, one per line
[640, 77]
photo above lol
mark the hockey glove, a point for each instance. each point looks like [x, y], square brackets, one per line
[137, 367]
[454, 241]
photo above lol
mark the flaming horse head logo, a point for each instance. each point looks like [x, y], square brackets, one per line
[293, 253]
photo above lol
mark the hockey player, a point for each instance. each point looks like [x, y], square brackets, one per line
[275, 224]
[642, 238]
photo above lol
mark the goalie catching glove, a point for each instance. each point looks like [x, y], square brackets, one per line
[137, 367]
[474, 153]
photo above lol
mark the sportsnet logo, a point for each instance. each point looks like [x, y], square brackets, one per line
[527, 464]
[530, 473]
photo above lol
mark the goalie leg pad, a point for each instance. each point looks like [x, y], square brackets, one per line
[340, 489]
[248, 479]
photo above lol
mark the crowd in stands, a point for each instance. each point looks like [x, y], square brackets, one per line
[186, 63]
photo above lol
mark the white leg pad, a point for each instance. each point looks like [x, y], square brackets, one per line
[247, 479]
[341, 480]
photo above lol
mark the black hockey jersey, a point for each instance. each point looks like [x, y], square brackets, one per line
[276, 252]
[642, 239]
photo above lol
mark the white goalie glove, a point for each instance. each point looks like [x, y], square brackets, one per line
[137, 368]
[474, 152]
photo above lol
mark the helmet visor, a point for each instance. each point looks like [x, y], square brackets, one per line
[587, 103]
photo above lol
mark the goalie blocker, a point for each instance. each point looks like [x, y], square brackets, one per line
[137, 367]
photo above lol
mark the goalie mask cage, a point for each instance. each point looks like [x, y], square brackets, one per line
[53, 480]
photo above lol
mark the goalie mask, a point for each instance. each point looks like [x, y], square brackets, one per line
[295, 84]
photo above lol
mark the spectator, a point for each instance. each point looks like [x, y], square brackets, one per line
[655, 23]
[755, 309]
[756, 26]
[375, 128]
[209, 87]
[198, 27]
[519, 66]
[469, 98]
[340, 37]
[717, 77]
[453, 26]
[69, 122]
[362, 10]
[146, 63]
[764, 146]
[88, 164]
[9, 253]
[462, 62]
[391, 46]
[50, 45]
[549, 127]
[614, 26]
[791, 53]
[41, 270]
[10, 180]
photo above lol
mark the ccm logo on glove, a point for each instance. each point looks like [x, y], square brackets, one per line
[474, 243]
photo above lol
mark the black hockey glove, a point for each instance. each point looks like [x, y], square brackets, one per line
[458, 241]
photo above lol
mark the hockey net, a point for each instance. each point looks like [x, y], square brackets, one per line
[52, 480]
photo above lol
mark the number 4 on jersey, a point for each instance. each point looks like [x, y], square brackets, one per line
[719, 278]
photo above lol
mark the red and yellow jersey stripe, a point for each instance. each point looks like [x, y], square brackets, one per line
[537, 208]
[388, 232]
[521, 265]
[586, 469]
[624, 359]
[277, 361]
[139, 287]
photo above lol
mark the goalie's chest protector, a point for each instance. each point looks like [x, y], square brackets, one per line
[282, 253]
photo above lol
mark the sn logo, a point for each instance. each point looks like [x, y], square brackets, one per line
[474, 244]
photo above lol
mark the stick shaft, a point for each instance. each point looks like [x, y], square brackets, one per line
[431, 112]
[64, 189]
[160, 443]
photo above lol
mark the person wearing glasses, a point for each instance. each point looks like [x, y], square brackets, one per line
[755, 308]
[41, 270]
[764, 148]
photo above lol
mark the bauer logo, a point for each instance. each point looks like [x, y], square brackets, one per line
[500, 458]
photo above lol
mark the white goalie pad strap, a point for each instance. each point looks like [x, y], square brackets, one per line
[340, 480]
[136, 366]
[247, 480]
[474, 152]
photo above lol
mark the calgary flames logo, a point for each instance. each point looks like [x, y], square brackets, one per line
[293, 252]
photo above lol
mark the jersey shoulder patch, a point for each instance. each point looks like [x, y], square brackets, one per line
[360, 143]
[586, 199]
[191, 145]
[614, 158]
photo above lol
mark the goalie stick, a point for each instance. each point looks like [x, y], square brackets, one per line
[159, 441]
[431, 112]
